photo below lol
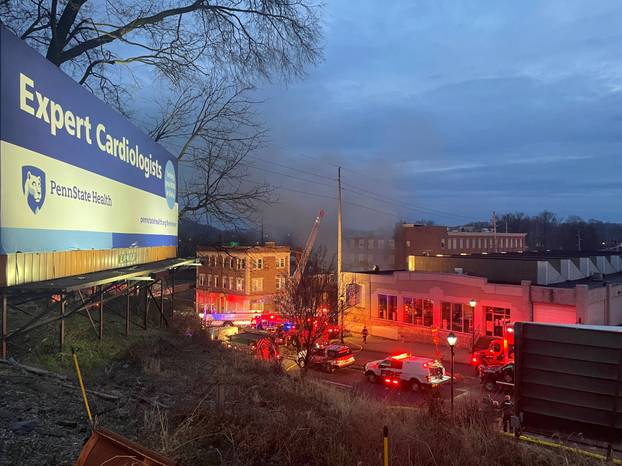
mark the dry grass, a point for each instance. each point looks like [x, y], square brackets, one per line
[270, 418]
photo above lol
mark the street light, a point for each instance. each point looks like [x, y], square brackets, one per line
[451, 340]
[472, 303]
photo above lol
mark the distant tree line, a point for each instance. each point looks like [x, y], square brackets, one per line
[548, 231]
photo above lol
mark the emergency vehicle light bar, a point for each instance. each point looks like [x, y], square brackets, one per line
[400, 356]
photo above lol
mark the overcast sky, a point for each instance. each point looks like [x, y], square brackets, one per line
[455, 109]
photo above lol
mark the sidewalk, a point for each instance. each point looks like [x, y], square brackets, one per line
[386, 346]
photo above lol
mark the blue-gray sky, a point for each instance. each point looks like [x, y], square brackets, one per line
[459, 107]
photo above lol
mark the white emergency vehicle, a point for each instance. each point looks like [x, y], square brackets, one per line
[403, 369]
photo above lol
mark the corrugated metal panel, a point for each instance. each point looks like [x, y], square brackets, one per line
[21, 268]
[569, 379]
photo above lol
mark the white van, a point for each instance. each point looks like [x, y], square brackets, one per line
[403, 369]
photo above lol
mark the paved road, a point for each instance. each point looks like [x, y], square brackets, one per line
[352, 378]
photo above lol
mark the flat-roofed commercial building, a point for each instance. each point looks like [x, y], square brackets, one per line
[410, 305]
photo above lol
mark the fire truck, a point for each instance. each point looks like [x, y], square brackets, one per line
[494, 351]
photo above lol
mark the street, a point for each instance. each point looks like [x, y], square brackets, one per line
[352, 378]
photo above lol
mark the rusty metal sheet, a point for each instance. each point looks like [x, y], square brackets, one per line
[107, 448]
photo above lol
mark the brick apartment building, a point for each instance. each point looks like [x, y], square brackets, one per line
[437, 293]
[415, 240]
[240, 278]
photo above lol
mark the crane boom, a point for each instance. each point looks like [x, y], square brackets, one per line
[304, 257]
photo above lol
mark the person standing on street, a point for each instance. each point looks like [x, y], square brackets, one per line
[364, 333]
[507, 407]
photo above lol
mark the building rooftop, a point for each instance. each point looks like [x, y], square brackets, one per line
[257, 248]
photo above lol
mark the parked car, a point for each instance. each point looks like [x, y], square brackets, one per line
[405, 370]
[497, 377]
[328, 358]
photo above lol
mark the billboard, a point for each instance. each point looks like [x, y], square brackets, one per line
[76, 175]
[568, 379]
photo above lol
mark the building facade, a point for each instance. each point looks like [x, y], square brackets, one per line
[240, 278]
[412, 240]
[364, 251]
[412, 306]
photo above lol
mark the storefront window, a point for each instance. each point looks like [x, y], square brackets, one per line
[457, 317]
[382, 306]
[392, 307]
[418, 311]
[408, 311]
[496, 319]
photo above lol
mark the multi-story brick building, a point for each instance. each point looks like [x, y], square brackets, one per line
[240, 278]
[364, 250]
[417, 240]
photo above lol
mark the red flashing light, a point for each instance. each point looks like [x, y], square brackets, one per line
[387, 380]
[400, 356]
[395, 381]
[271, 316]
[474, 359]
[510, 330]
[426, 365]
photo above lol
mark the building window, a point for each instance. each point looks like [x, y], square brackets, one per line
[361, 244]
[361, 258]
[407, 243]
[280, 283]
[380, 244]
[479, 243]
[258, 264]
[231, 283]
[442, 244]
[353, 294]
[370, 244]
[461, 243]
[257, 284]
[496, 320]
[224, 282]
[457, 317]
[387, 307]
[209, 280]
[391, 244]
[409, 316]
[280, 262]
[201, 279]
[239, 284]
[243, 263]
[418, 311]
[216, 281]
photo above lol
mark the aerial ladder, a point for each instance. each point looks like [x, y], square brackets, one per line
[306, 252]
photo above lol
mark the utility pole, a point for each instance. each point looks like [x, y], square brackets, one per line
[339, 226]
[579, 239]
[494, 230]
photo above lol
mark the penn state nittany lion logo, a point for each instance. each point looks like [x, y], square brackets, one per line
[33, 184]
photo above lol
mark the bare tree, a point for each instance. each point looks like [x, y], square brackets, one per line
[208, 54]
[310, 305]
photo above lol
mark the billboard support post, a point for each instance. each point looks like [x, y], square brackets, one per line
[127, 310]
[61, 306]
[172, 294]
[145, 302]
[5, 326]
[101, 312]
[161, 301]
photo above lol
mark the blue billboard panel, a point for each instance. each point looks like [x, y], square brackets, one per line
[74, 173]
